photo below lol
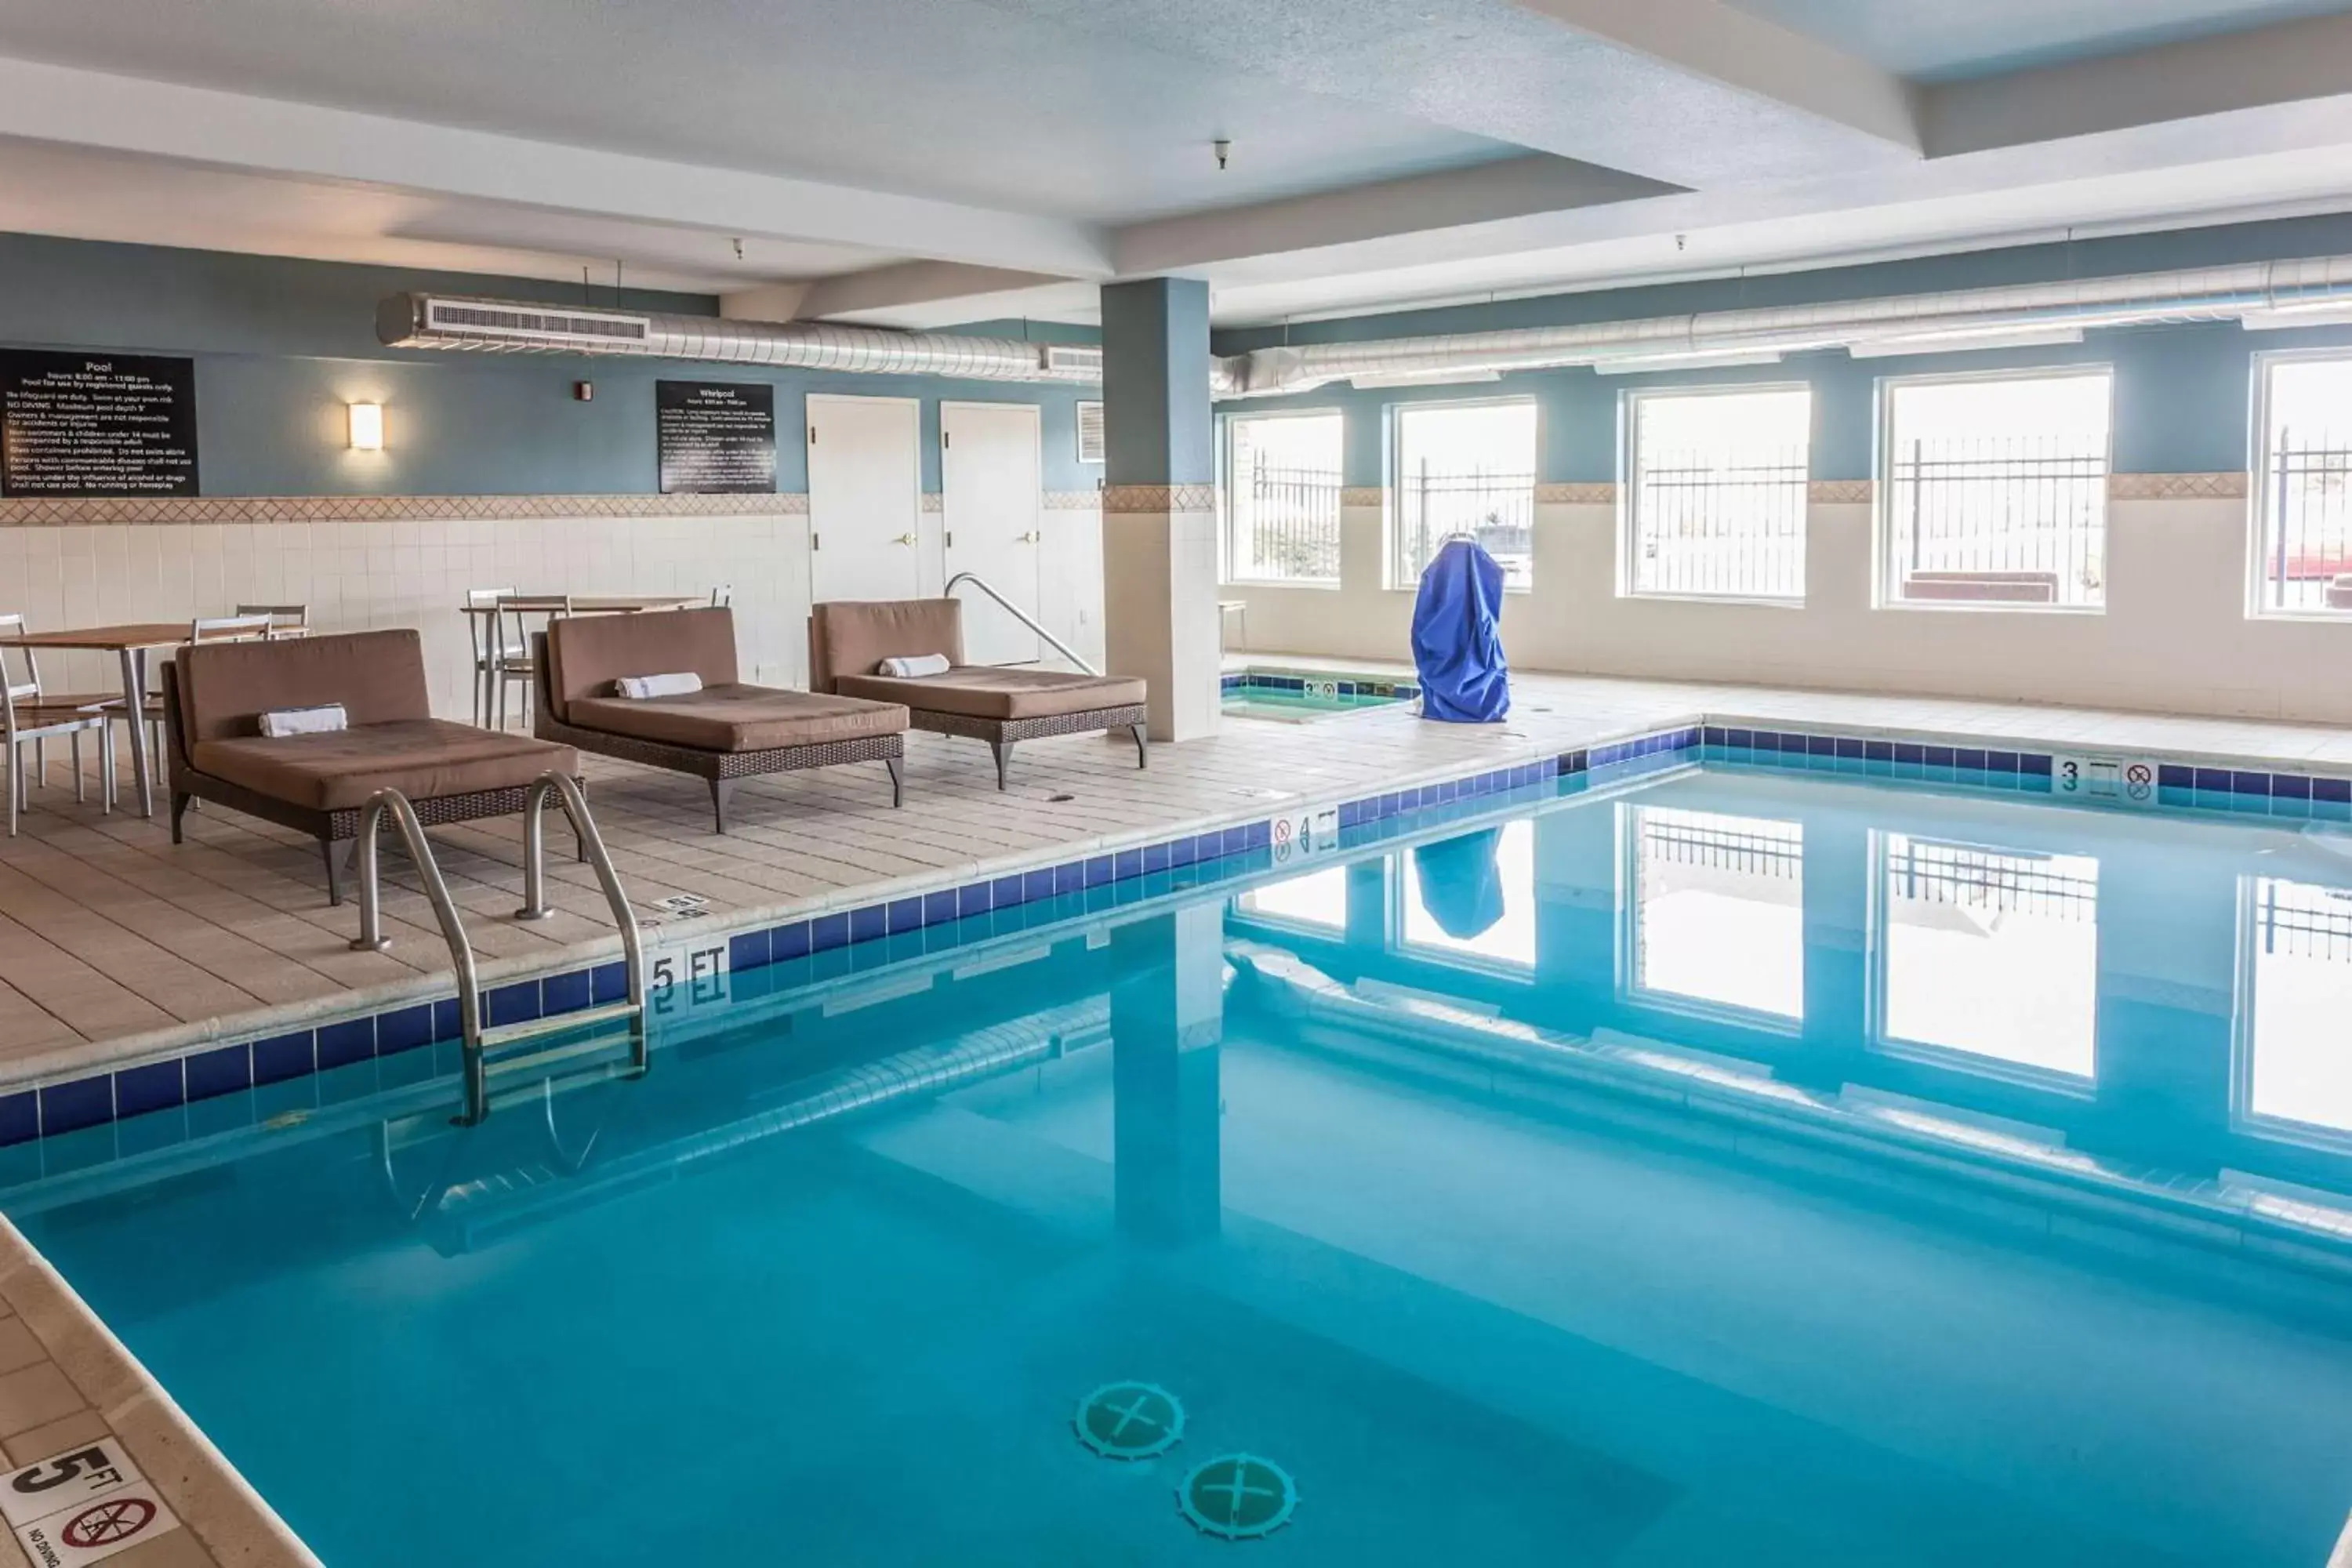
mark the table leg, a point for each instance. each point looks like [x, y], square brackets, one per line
[134, 701]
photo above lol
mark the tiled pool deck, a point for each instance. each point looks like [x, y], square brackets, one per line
[189, 971]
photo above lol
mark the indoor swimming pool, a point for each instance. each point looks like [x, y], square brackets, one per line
[1293, 697]
[1732, 1165]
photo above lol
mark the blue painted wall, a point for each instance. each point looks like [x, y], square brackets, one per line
[281, 345]
[2182, 398]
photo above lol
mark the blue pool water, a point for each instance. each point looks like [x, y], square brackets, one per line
[1742, 1168]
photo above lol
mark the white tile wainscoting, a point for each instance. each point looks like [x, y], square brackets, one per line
[400, 565]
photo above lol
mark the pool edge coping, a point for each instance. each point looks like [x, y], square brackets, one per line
[231, 1520]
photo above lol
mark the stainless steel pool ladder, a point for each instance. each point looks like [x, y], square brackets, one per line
[1018, 613]
[476, 1038]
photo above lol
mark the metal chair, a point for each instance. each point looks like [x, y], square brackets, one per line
[722, 595]
[239, 627]
[483, 627]
[29, 717]
[513, 665]
[285, 620]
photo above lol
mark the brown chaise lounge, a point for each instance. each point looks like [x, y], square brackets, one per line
[724, 732]
[848, 640]
[215, 695]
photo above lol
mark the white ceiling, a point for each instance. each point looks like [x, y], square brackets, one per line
[1942, 40]
[925, 162]
[953, 99]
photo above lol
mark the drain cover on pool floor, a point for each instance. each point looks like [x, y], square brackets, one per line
[1129, 1420]
[1238, 1497]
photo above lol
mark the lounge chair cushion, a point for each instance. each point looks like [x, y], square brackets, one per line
[853, 636]
[225, 687]
[987, 691]
[422, 757]
[733, 718]
[588, 655]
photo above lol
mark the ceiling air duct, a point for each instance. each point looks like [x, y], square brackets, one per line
[2262, 293]
[512, 326]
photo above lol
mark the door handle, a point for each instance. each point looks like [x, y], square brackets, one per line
[906, 539]
[1031, 538]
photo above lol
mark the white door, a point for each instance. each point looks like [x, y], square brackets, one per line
[990, 474]
[866, 496]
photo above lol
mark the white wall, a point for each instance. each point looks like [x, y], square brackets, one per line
[357, 576]
[2174, 637]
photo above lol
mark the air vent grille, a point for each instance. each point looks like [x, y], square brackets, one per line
[1090, 433]
[569, 325]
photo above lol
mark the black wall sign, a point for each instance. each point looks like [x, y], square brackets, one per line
[97, 424]
[717, 438]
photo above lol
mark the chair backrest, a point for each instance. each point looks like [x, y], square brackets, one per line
[285, 620]
[239, 627]
[850, 636]
[722, 595]
[11, 630]
[520, 607]
[586, 654]
[224, 688]
[484, 598]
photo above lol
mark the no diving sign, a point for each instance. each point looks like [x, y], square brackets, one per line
[83, 1506]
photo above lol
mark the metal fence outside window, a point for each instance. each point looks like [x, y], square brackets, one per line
[2002, 520]
[1921, 872]
[1704, 526]
[1285, 524]
[2306, 561]
[1496, 510]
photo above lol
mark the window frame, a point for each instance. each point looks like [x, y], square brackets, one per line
[1393, 491]
[1882, 531]
[2258, 478]
[1227, 576]
[1629, 489]
[2245, 1120]
[1877, 983]
[1630, 988]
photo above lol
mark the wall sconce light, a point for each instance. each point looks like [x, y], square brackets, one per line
[367, 426]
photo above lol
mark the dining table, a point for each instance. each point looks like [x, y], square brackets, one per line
[130, 644]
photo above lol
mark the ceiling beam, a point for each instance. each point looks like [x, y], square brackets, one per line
[2295, 68]
[1483, 192]
[196, 125]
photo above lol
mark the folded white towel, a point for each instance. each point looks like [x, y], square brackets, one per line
[915, 667]
[642, 686]
[321, 721]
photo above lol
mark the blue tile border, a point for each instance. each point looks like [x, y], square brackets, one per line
[266, 1069]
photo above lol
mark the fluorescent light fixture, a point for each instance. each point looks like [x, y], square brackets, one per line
[1966, 342]
[366, 426]
[1638, 364]
[1427, 378]
[2288, 318]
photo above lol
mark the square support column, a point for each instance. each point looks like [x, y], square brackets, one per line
[1160, 500]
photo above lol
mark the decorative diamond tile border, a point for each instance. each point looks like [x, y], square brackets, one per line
[2178, 486]
[179, 510]
[1074, 501]
[1133, 498]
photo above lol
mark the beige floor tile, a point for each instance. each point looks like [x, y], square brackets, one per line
[33, 1396]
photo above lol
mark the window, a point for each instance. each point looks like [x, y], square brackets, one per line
[1715, 506]
[2304, 563]
[1470, 468]
[1282, 497]
[1994, 491]
[2294, 1056]
[1715, 912]
[1472, 899]
[1988, 959]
